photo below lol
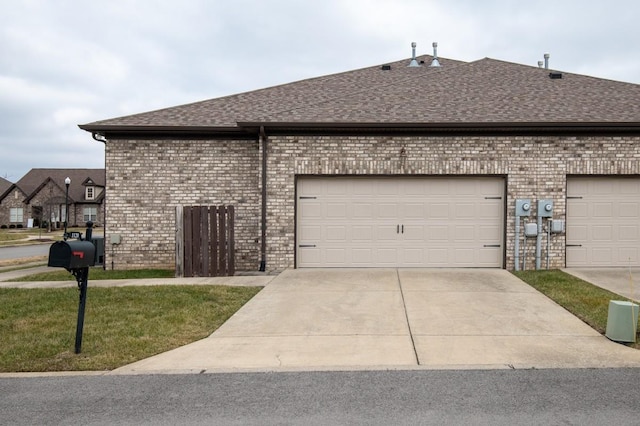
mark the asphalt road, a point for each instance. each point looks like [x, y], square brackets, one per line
[496, 397]
[19, 252]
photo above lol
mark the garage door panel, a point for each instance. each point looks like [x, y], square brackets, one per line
[363, 233]
[630, 254]
[489, 256]
[603, 218]
[413, 211]
[438, 211]
[310, 233]
[438, 233]
[336, 233]
[335, 255]
[464, 211]
[630, 187]
[602, 233]
[628, 233]
[362, 256]
[361, 210]
[602, 210]
[387, 211]
[400, 222]
[310, 256]
[336, 211]
[488, 233]
[310, 210]
[628, 210]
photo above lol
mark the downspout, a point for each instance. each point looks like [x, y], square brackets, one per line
[102, 139]
[263, 237]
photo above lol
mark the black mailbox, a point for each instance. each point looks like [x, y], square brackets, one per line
[72, 254]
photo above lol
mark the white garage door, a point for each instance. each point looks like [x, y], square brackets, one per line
[400, 222]
[603, 222]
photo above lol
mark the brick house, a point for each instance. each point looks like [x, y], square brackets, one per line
[41, 195]
[390, 166]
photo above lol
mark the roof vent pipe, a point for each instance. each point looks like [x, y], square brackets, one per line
[414, 62]
[435, 62]
[546, 61]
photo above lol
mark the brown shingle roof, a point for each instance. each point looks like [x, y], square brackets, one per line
[4, 185]
[34, 179]
[484, 92]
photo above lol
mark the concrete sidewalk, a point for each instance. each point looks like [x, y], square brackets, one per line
[248, 280]
[622, 281]
[330, 319]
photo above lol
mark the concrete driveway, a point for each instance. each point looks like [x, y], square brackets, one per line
[622, 281]
[332, 319]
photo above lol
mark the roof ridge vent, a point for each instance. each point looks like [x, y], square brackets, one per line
[414, 61]
[435, 62]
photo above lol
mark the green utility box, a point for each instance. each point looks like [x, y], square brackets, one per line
[622, 321]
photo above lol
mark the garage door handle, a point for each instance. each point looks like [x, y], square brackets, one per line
[306, 245]
[492, 245]
[308, 198]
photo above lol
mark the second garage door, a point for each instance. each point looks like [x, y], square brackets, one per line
[400, 222]
[603, 221]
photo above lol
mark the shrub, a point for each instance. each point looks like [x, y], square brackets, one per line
[19, 226]
[12, 226]
[3, 227]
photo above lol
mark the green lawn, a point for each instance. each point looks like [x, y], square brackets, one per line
[586, 301]
[122, 324]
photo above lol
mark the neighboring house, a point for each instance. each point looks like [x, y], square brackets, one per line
[389, 166]
[40, 195]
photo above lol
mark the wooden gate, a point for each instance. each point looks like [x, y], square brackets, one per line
[205, 241]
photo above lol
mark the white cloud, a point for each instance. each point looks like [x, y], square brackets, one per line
[74, 61]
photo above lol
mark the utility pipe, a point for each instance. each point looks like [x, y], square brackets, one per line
[548, 240]
[539, 239]
[517, 244]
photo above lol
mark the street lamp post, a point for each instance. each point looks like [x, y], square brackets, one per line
[67, 182]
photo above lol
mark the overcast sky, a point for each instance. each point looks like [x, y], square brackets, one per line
[70, 62]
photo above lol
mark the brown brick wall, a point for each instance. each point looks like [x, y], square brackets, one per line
[535, 167]
[146, 180]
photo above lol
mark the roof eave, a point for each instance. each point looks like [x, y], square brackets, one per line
[451, 127]
[115, 131]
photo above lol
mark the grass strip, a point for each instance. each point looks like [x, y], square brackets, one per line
[586, 301]
[98, 273]
[122, 324]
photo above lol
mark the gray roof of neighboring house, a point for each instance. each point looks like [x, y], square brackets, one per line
[483, 93]
[35, 179]
[4, 185]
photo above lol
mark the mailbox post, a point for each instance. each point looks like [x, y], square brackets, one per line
[76, 257]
